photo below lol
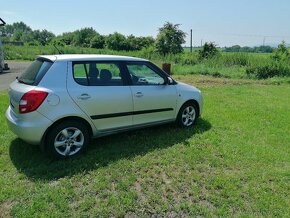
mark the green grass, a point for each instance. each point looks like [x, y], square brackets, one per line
[226, 64]
[204, 69]
[234, 162]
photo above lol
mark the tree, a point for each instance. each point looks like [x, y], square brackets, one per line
[67, 38]
[98, 41]
[259, 49]
[169, 39]
[117, 41]
[234, 48]
[28, 37]
[146, 42]
[43, 37]
[138, 43]
[208, 50]
[7, 30]
[21, 27]
[263, 49]
[83, 37]
[16, 31]
[132, 42]
[281, 53]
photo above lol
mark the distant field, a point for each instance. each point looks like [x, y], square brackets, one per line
[226, 64]
[234, 162]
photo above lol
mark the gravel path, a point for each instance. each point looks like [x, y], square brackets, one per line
[16, 68]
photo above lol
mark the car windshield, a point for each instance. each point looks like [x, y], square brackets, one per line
[34, 73]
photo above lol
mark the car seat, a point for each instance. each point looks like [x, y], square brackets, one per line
[105, 77]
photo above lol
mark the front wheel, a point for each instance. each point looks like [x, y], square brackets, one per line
[187, 115]
[67, 139]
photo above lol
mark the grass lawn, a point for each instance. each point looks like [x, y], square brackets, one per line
[234, 162]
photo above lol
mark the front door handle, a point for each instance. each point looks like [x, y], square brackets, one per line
[138, 94]
[84, 96]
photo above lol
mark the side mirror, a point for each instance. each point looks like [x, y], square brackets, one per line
[169, 81]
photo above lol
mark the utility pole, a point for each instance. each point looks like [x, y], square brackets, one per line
[190, 40]
[264, 39]
[200, 43]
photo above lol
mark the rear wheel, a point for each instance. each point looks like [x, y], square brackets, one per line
[67, 139]
[187, 115]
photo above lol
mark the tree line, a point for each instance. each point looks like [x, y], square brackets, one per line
[256, 49]
[21, 32]
[169, 38]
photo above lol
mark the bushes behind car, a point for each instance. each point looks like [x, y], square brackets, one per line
[271, 69]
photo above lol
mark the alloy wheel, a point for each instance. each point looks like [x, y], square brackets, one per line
[69, 141]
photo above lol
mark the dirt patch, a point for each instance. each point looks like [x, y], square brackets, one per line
[224, 82]
[213, 81]
[5, 209]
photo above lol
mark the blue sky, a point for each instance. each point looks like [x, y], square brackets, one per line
[225, 22]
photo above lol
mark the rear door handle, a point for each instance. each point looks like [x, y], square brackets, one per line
[138, 94]
[84, 96]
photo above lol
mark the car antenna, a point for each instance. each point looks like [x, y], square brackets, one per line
[59, 51]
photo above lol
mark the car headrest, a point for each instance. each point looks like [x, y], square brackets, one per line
[105, 75]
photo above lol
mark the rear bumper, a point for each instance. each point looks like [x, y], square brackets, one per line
[29, 127]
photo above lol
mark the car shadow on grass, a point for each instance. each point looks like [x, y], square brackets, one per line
[29, 160]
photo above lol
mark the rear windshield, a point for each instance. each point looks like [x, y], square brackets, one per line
[34, 73]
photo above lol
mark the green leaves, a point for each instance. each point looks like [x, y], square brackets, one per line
[208, 50]
[169, 39]
[19, 31]
[277, 66]
[281, 53]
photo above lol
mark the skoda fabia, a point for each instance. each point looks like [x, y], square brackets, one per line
[61, 101]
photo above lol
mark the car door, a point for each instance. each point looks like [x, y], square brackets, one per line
[153, 99]
[100, 90]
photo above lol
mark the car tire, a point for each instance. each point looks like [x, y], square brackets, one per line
[67, 139]
[187, 115]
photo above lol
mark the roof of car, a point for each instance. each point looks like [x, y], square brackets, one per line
[90, 57]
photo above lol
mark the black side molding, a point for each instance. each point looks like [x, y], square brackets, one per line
[102, 116]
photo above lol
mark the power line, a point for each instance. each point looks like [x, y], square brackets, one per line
[246, 35]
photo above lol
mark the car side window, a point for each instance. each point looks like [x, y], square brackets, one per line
[141, 74]
[97, 74]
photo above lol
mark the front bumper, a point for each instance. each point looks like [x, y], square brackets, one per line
[29, 127]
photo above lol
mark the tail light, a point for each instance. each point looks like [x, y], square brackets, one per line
[31, 100]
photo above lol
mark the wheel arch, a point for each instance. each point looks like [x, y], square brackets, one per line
[64, 119]
[194, 102]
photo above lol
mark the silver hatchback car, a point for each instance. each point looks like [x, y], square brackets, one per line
[61, 101]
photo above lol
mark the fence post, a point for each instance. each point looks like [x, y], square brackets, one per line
[167, 68]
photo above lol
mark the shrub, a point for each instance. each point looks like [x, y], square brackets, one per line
[269, 70]
[117, 42]
[281, 53]
[98, 41]
[209, 50]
